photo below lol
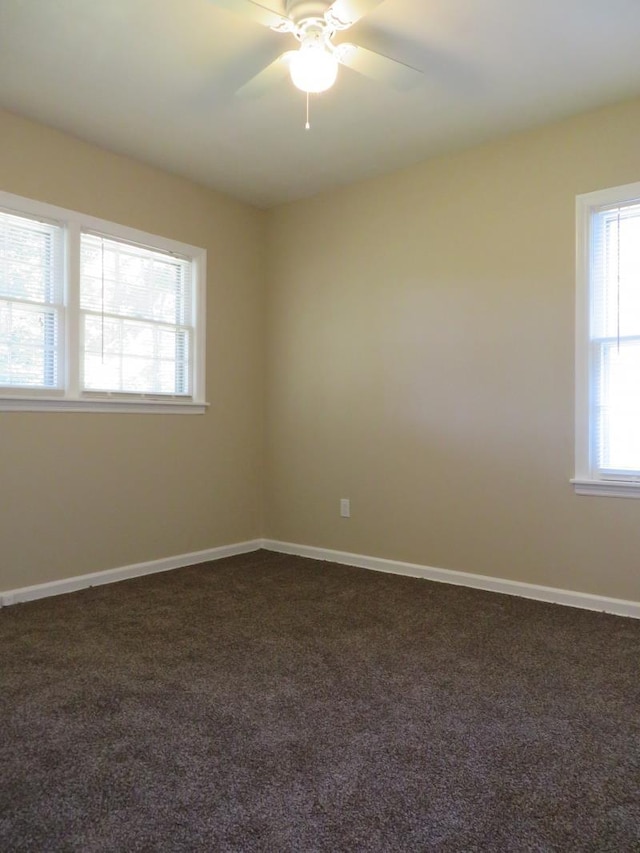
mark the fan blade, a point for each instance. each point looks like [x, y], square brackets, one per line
[378, 67]
[265, 79]
[345, 13]
[258, 13]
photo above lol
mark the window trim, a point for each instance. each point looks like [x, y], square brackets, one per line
[70, 398]
[587, 481]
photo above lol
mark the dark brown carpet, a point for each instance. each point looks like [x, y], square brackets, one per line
[272, 703]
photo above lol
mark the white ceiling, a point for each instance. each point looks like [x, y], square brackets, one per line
[155, 79]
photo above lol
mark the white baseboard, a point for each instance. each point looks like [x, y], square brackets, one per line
[617, 606]
[43, 590]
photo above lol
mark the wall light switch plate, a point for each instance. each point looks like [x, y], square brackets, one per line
[345, 508]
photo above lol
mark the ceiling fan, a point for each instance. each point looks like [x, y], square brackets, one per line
[313, 67]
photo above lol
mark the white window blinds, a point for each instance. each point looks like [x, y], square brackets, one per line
[31, 302]
[137, 319]
[615, 341]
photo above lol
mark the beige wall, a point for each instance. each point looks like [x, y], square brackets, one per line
[420, 362]
[85, 492]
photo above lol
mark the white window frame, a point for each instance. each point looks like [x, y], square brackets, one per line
[70, 397]
[588, 480]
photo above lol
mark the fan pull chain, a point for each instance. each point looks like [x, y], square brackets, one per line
[307, 125]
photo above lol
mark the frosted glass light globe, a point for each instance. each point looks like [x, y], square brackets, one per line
[313, 69]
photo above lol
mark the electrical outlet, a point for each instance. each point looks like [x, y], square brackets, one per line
[345, 508]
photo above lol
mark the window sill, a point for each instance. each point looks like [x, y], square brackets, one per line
[607, 488]
[116, 406]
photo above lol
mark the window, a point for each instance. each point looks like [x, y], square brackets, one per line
[608, 343]
[94, 315]
[31, 302]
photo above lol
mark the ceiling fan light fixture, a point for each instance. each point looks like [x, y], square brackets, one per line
[313, 68]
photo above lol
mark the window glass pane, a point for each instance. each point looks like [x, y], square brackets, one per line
[28, 346]
[137, 315]
[616, 273]
[30, 255]
[619, 407]
[130, 356]
[30, 284]
[133, 281]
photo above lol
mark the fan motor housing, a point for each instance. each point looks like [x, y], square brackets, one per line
[300, 10]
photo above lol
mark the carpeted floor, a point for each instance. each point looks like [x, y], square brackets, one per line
[273, 703]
